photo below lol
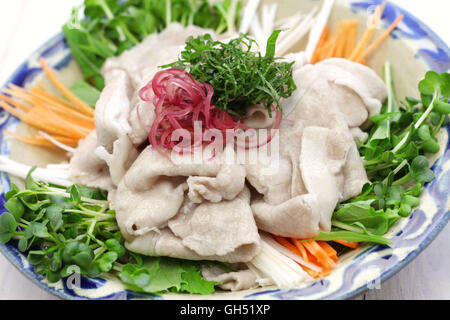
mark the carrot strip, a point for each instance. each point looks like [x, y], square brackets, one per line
[40, 141]
[41, 91]
[323, 39]
[349, 244]
[380, 39]
[331, 50]
[317, 253]
[341, 42]
[14, 103]
[18, 114]
[53, 126]
[351, 38]
[302, 250]
[329, 250]
[368, 34]
[287, 244]
[64, 111]
[302, 253]
[66, 92]
[321, 256]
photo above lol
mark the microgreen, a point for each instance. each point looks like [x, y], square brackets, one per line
[395, 160]
[62, 228]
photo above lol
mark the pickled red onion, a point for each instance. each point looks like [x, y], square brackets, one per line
[180, 102]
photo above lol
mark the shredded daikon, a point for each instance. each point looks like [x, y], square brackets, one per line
[58, 177]
[283, 271]
[317, 30]
[249, 13]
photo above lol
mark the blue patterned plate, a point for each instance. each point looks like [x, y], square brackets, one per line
[412, 48]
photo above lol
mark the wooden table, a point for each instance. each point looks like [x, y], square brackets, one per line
[424, 278]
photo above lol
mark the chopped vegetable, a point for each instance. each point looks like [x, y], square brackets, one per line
[61, 228]
[239, 76]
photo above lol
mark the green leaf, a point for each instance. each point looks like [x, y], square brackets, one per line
[85, 92]
[29, 182]
[39, 230]
[353, 211]
[272, 44]
[159, 274]
[442, 107]
[430, 84]
[78, 253]
[83, 259]
[420, 171]
[15, 207]
[115, 246]
[8, 226]
[75, 194]
[11, 193]
[105, 263]
[23, 245]
[350, 236]
[55, 263]
[445, 85]
[52, 277]
[35, 257]
[54, 215]
[194, 283]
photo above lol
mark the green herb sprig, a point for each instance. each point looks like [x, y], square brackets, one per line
[64, 231]
[240, 76]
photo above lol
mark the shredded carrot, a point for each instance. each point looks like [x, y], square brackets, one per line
[341, 39]
[368, 34]
[16, 113]
[321, 256]
[329, 250]
[65, 121]
[14, 103]
[323, 39]
[352, 31]
[42, 141]
[349, 244]
[343, 43]
[40, 90]
[379, 40]
[319, 253]
[287, 244]
[65, 91]
[43, 101]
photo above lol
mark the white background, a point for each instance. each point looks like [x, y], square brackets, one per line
[26, 24]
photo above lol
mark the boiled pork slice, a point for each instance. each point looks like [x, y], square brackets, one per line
[86, 168]
[224, 231]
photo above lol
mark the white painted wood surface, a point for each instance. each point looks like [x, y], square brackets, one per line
[26, 24]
